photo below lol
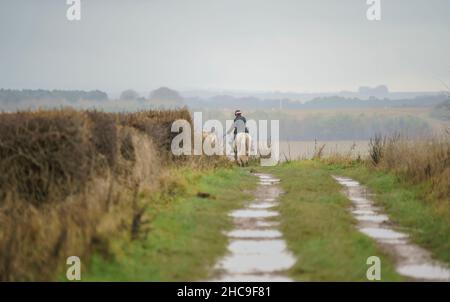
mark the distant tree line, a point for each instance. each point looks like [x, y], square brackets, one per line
[442, 110]
[72, 96]
[161, 94]
[164, 97]
[227, 102]
[352, 127]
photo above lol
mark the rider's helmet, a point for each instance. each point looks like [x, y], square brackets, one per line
[237, 113]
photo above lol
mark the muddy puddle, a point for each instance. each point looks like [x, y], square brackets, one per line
[411, 260]
[256, 249]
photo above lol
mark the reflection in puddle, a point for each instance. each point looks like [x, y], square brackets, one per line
[363, 212]
[256, 263]
[271, 180]
[425, 271]
[360, 200]
[263, 205]
[265, 183]
[255, 278]
[256, 250]
[254, 234]
[411, 260]
[349, 183]
[265, 224]
[268, 181]
[257, 246]
[380, 233]
[253, 213]
[373, 218]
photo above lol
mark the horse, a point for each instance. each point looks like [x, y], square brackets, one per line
[242, 146]
[209, 139]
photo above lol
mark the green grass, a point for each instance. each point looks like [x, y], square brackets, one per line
[185, 233]
[184, 236]
[319, 228]
[427, 220]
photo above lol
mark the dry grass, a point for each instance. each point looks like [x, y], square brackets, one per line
[424, 161]
[420, 161]
[71, 179]
[318, 151]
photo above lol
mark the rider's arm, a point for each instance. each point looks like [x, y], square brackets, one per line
[231, 128]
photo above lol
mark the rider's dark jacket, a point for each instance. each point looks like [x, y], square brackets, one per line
[240, 125]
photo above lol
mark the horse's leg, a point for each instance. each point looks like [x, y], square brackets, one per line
[237, 156]
[247, 149]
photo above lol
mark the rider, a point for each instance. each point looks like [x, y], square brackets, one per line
[239, 125]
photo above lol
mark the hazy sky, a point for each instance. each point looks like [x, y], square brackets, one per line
[286, 45]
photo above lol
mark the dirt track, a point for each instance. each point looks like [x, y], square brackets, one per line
[411, 260]
[256, 249]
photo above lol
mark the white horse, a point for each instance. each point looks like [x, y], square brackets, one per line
[242, 146]
[210, 138]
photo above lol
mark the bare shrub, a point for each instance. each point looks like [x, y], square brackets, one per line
[104, 135]
[157, 125]
[45, 154]
[376, 148]
[70, 180]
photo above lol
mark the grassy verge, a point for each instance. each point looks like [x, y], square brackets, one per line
[320, 230]
[427, 219]
[184, 232]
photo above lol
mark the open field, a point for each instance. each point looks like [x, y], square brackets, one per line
[344, 124]
[422, 112]
[295, 150]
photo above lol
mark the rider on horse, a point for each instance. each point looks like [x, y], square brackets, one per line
[239, 125]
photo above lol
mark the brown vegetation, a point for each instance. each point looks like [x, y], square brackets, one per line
[419, 161]
[70, 179]
[424, 161]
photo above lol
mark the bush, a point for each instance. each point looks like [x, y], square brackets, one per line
[157, 125]
[70, 180]
[376, 146]
[44, 155]
[104, 135]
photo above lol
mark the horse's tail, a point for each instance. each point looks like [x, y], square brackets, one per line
[247, 144]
